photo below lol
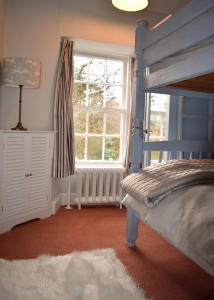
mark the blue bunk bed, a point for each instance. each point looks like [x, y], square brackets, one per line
[176, 58]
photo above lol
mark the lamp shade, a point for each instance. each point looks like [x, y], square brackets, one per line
[130, 5]
[18, 71]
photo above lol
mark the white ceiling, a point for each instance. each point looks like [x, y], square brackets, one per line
[154, 13]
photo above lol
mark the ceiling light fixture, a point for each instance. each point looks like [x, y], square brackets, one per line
[130, 5]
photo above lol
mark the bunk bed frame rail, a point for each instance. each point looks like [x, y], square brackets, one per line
[174, 45]
[179, 150]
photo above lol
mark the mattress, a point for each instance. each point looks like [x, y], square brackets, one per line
[186, 219]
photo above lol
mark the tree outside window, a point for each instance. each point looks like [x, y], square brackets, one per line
[99, 102]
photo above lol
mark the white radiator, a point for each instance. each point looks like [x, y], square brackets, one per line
[98, 185]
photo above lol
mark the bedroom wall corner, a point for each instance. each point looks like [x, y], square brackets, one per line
[56, 195]
[31, 30]
[2, 19]
[2, 14]
[96, 20]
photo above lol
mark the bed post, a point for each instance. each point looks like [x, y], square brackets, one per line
[131, 228]
[138, 104]
[137, 129]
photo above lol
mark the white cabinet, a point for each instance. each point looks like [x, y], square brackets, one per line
[25, 176]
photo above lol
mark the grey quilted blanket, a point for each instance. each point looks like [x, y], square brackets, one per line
[154, 183]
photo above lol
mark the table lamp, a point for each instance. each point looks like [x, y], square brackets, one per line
[23, 73]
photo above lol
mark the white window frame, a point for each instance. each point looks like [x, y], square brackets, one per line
[123, 110]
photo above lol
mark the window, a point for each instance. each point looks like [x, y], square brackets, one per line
[158, 121]
[100, 107]
[159, 115]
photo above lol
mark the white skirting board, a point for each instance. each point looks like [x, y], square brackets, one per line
[61, 200]
[64, 199]
[55, 205]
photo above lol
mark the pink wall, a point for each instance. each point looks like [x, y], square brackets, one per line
[96, 20]
[1, 27]
[33, 29]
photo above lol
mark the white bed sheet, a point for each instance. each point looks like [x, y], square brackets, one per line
[186, 219]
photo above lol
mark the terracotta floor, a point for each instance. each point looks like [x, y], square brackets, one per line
[162, 271]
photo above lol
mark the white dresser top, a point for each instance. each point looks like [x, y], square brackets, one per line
[25, 131]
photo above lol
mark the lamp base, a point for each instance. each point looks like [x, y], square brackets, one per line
[19, 127]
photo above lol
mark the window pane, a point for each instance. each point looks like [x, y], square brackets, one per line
[113, 123]
[155, 125]
[159, 110]
[159, 102]
[96, 95]
[79, 147]
[155, 156]
[95, 148]
[158, 126]
[81, 68]
[96, 70]
[113, 96]
[112, 148]
[114, 71]
[79, 121]
[95, 122]
[79, 93]
[98, 84]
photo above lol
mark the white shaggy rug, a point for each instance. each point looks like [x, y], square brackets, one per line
[93, 275]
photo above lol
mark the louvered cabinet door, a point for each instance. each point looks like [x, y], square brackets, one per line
[39, 177]
[25, 177]
[14, 183]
